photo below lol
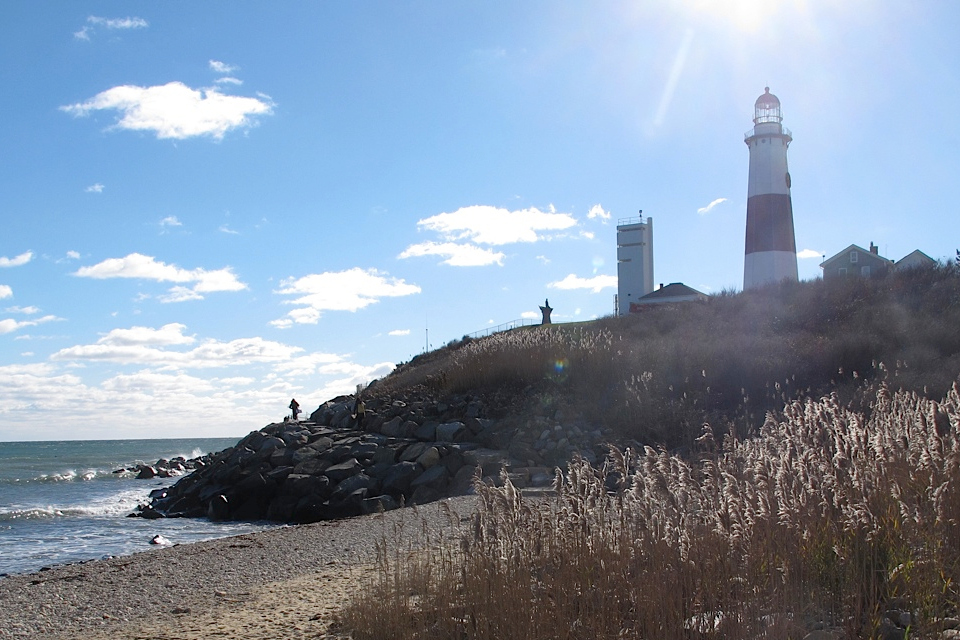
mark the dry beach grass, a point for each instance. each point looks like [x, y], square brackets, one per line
[827, 522]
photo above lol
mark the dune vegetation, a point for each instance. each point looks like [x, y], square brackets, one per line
[788, 464]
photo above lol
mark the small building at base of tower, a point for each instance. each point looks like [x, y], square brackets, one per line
[673, 293]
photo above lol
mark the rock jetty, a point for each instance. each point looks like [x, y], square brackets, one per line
[409, 451]
[164, 468]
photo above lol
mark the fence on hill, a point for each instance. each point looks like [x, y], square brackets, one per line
[506, 326]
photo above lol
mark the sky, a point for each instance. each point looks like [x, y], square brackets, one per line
[207, 209]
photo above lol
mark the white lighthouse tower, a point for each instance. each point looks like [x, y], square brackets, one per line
[770, 254]
[634, 261]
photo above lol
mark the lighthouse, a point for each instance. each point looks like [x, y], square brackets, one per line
[770, 254]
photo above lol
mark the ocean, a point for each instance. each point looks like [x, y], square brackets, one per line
[60, 502]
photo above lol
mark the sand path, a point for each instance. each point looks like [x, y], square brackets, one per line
[282, 583]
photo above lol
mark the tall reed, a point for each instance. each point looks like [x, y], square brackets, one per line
[829, 519]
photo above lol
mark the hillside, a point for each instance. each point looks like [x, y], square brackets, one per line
[835, 515]
[656, 377]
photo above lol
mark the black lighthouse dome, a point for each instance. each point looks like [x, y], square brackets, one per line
[767, 108]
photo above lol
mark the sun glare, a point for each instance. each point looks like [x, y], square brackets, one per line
[744, 15]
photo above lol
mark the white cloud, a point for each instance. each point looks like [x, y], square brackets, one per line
[229, 80]
[225, 229]
[8, 325]
[595, 284]
[222, 67]
[73, 254]
[349, 290]
[5, 291]
[485, 224]
[457, 255]
[109, 23]
[174, 110]
[308, 364]
[596, 211]
[170, 221]
[94, 188]
[530, 315]
[168, 334]
[119, 23]
[807, 254]
[399, 332]
[29, 311]
[179, 294]
[124, 349]
[707, 209]
[353, 374]
[17, 261]
[144, 267]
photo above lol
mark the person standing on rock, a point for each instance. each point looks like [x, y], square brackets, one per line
[295, 408]
[359, 412]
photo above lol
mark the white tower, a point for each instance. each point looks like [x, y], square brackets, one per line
[634, 261]
[770, 254]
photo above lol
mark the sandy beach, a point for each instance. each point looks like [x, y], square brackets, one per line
[283, 583]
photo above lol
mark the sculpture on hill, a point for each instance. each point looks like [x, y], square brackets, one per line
[545, 310]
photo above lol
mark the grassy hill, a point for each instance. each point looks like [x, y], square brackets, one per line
[656, 377]
[835, 515]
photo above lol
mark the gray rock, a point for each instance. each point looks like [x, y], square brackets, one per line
[413, 451]
[380, 503]
[146, 472]
[429, 458]
[384, 454]
[436, 477]
[490, 460]
[363, 450]
[449, 431]
[299, 485]
[391, 427]
[342, 471]
[281, 508]
[473, 410]
[476, 425]
[313, 466]
[889, 631]
[427, 432]
[303, 454]
[397, 480]
[350, 486]
[281, 457]
[452, 459]
[269, 444]
[218, 509]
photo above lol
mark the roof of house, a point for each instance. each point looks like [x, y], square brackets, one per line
[847, 251]
[672, 290]
[916, 257]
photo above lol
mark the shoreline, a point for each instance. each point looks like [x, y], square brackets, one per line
[286, 582]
